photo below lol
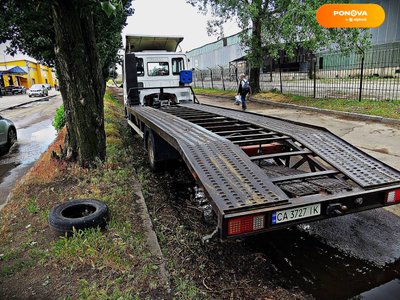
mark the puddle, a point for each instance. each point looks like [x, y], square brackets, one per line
[32, 142]
[307, 257]
[323, 271]
[350, 257]
[387, 291]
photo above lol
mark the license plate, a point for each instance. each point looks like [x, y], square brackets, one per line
[292, 214]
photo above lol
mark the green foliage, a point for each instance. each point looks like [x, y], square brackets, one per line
[29, 26]
[215, 92]
[59, 119]
[271, 26]
[108, 8]
[386, 109]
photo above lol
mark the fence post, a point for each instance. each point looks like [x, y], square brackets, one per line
[194, 78]
[236, 75]
[212, 82]
[280, 76]
[222, 77]
[361, 78]
[202, 80]
[270, 70]
[315, 76]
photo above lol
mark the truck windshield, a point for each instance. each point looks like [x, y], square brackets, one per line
[177, 65]
[158, 68]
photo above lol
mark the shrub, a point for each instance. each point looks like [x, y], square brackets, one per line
[59, 120]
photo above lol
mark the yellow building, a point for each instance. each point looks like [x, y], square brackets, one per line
[34, 73]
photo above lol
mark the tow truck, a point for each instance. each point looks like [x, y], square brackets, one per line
[259, 173]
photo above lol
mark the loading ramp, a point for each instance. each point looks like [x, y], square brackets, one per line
[294, 164]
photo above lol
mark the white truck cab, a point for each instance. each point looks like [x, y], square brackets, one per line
[152, 71]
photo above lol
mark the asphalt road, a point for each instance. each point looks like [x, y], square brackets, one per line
[35, 133]
[14, 100]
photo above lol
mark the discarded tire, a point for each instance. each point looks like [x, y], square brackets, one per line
[78, 214]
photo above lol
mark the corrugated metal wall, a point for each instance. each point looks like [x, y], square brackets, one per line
[216, 54]
[389, 31]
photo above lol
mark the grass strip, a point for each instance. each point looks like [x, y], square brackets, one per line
[114, 264]
[386, 109]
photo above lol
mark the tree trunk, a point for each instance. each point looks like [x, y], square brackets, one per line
[81, 81]
[256, 57]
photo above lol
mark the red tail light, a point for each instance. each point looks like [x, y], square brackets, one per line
[246, 224]
[393, 196]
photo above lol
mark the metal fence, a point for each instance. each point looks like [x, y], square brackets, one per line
[375, 75]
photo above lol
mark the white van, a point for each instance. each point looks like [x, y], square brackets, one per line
[152, 71]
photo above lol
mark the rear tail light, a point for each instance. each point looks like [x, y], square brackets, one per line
[393, 196]
[246, 224]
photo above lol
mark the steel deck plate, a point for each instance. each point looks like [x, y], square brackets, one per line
[225, 171]
[357, 165]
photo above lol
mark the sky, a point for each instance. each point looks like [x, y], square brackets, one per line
[163, 17]
[6, 57]
[174, 18]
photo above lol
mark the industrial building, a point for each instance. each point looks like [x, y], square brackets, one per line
[25, 73]
[23, 70]
[385, 42]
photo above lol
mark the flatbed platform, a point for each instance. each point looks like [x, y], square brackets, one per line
[226, 172]
[357, 165]
[251, 164]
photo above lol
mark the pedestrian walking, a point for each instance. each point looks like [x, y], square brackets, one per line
[243, 90]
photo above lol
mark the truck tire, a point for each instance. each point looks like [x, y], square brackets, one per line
[152, 152]
[78, 214]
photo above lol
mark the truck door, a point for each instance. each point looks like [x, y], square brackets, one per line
[131, 79]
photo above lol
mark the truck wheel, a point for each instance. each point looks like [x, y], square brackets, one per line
[11, 137]
[152, 152]
[78, 214]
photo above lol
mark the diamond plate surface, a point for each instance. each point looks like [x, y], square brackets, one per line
[226, 172]
[357, 165]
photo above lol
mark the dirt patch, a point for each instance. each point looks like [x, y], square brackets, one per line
[382, 150]
[213, 270]
[274, 97]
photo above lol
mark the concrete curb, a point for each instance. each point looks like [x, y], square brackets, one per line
[152, 241]
[47, 98]
[356, 116]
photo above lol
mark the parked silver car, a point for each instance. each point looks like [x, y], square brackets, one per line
[38, 90]
[8, 132]
[19, 89]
